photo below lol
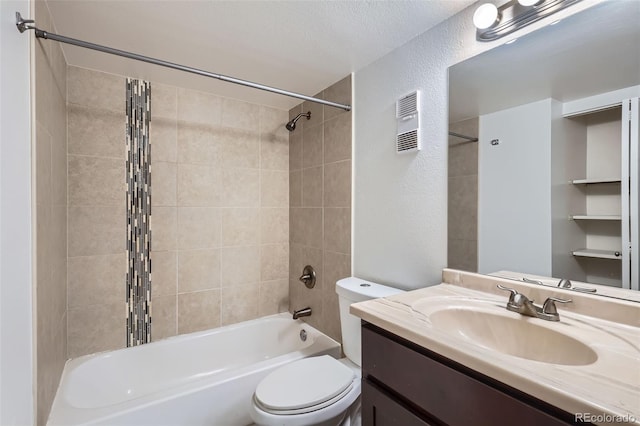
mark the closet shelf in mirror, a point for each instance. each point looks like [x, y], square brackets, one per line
[601, 254]
[595, 217]
[596, 180]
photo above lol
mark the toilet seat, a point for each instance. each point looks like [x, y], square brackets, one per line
[303, 386]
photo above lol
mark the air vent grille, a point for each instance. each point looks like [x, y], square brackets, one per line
[407, 105]
[407, 142]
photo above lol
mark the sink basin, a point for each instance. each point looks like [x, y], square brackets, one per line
[520, 337]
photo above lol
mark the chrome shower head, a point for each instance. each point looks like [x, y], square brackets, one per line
[291, 126]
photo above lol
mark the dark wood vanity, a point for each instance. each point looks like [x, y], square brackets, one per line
[405, 384]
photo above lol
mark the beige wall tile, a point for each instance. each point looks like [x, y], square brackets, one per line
[59, 170]
[272, 122]
[198, 311]
[198, 144]
[241, 187]
[164, 101]
[274, 262]
[51, 354]
[240, 148]
[274, 139]
[331, 311]
[43, 166]
[295, 150]
[96, 230]
[337, 138]
[240, 226]
[95, 89]
[317, 114]
[199, 185]
[274, 188]
[164, 270]
[312, 150]
[274, 225]
[274, 297]
[462, 254]
[339, 92]
[198, 228]
[274, 153]
[463, 155]
[164, 310]
[336, 267]
[44, 85]
[240, 303]
[164, 225]
[198, 270]
[59, 66]
[337, 230]
[295, 188]
[96, 328]
[163, 134]
[240, 115]
[97, 181]
[95, 280]
[164, 182]
[312, 186]
[463, 208]
[96, 132]
[337, 184]
[240, 265]
[199, 107]
[306, 226]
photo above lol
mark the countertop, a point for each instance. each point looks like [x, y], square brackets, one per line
[608, 387]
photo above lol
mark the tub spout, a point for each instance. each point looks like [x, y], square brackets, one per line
[304, 312]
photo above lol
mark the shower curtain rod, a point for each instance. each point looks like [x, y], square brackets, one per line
[24, 24]
[458, 135]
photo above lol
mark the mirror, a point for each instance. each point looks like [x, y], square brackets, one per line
[540, 194]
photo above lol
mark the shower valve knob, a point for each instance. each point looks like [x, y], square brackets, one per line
[308, 276]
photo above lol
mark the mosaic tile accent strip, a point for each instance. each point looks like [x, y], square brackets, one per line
[138, 165]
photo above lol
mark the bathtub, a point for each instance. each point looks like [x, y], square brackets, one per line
[204, 378]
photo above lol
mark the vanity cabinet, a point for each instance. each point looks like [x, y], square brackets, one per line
[405, 384]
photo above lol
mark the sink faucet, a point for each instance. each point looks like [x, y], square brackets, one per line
[304, 312]
[521, 304]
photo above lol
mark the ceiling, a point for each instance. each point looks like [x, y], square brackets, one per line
[594, 51]
[295, 45]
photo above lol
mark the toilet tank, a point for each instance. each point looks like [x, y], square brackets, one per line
[351, 290]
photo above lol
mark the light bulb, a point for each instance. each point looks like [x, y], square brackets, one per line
[485, 16]
[528, 2]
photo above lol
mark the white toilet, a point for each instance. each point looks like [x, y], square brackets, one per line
[320, 390]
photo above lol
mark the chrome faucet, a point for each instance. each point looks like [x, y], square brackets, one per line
[521, 304]
[304, 312]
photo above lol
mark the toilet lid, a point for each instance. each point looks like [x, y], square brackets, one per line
[304, 383]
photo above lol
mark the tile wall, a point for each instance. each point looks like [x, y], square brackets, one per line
[50, 214]
[320, 205]
[220, 211]
[463, 197]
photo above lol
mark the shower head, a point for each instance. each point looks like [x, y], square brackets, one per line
[291, 126]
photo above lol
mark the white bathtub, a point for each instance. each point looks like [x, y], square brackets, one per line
[204, 378]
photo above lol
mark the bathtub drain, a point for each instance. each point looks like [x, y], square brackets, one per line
[303, 335]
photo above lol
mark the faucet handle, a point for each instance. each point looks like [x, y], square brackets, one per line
[549, 306]
[514, 293]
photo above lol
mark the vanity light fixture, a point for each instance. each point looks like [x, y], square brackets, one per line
[486, 16]
[494, 22]
[528, 3]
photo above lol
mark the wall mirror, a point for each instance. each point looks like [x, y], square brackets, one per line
[549, 190]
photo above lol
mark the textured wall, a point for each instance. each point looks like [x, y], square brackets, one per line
[220, 218]
[51, 214]
[400, 213]
[320, 205]
[462, 221]
[17, 278]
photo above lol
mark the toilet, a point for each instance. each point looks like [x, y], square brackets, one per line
[320, 391]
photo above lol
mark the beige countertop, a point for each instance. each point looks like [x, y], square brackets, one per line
[609, 386]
